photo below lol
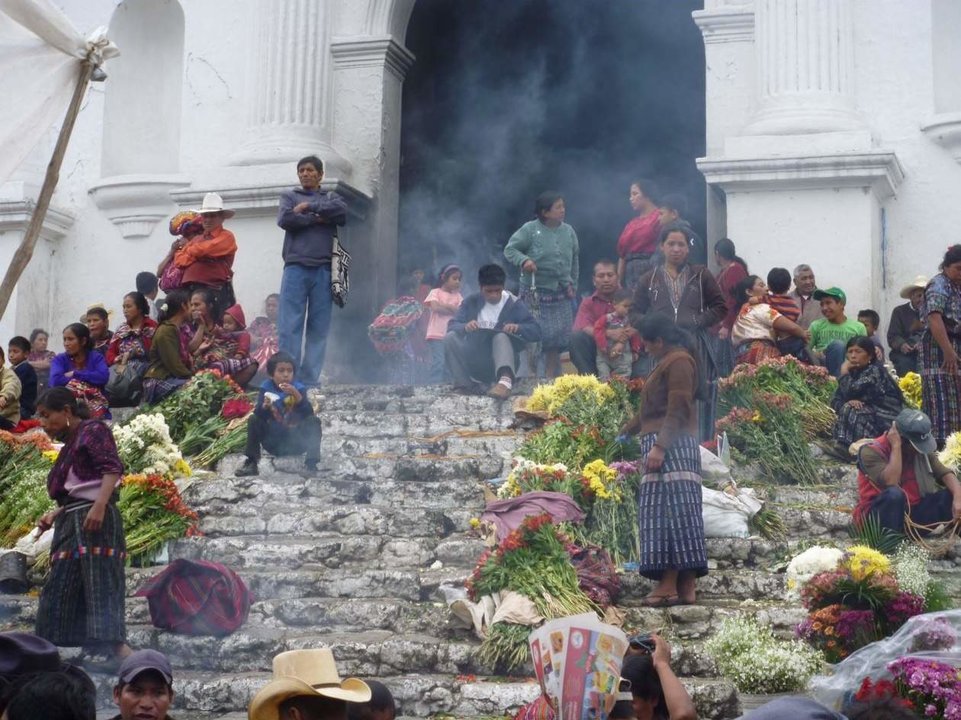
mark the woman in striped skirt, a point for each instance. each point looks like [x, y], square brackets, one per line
[669, 498]
[82, 603]
[940, 348]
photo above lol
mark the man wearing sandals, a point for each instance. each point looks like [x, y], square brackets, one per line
[898, 478]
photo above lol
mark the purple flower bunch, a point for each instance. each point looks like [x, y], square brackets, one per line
[856, 627]
[934, 635]
[625, 468]
[901, 607]
[932, 687]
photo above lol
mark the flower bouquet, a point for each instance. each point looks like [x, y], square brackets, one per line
[533, 561]
[809, 563]
[23, 484]
[201, 398]
[951, 455]
[153, 512]
[611, 521]
[856, 603]
[527, 476]
[756, 662]
[145, 446]
[932, 687]
[910, 386]
[770, 432]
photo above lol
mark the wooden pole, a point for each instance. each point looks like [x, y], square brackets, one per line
[21, 258]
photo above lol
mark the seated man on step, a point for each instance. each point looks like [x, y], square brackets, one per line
[898, 478]
[486, 335]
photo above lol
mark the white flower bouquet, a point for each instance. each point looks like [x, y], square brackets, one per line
[145, 447]
[809, 563]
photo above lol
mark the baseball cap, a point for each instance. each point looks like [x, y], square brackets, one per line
[141, 661]
[832, 292]
[916, 427]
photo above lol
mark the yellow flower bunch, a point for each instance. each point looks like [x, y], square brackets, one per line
[863, 562]
[510, 488]
[910, 386]
[549, 397]
[182, 469]
[951, 455]
[602, 480]
[51, 455]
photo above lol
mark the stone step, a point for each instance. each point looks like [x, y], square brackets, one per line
[425, 427]
[391, 546]
[387, 466]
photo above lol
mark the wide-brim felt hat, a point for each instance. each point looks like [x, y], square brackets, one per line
[309, 673]
[919, 283]
[213, 203]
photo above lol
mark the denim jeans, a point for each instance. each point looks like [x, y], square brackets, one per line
[305, 298]
[889, 508]
[834, 355]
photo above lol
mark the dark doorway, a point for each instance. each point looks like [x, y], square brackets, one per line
[510, 98]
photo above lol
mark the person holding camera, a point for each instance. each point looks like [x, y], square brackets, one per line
[656, 692]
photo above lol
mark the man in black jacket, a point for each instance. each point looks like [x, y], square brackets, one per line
[487, 334]
[904, 330]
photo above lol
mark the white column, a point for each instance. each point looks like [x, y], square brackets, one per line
[805, 61]
[289, 111]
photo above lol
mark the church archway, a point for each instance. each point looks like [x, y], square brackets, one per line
[574, 96]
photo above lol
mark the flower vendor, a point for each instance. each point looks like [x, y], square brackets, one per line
[867, 398]
[170, 360]
[82, 603]
[82, 370]
[671, 525]
[283, 422]
[897, 477]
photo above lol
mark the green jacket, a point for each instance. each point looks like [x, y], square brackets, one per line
[553, 250]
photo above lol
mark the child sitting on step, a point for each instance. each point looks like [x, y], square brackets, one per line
[283, 422]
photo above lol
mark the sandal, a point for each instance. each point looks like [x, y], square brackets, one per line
[660, 601]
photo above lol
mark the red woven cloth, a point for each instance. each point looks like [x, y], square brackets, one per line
[197, 597]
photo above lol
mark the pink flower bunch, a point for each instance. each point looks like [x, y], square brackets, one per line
[932, 687]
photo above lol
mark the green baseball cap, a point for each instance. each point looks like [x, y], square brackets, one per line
[831, 292]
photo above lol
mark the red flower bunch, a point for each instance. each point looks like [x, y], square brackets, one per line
[882, 690]
[236, 407]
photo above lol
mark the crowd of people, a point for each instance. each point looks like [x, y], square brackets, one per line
[653, 313]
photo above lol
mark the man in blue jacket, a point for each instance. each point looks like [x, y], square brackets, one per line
[484, 338]
[310, 217]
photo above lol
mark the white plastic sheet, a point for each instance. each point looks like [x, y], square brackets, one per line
[40, 55]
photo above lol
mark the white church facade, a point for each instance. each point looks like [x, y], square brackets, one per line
[833, 137]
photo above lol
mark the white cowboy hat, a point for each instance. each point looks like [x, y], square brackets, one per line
[304, 673]
[213, 203]
[919, 283]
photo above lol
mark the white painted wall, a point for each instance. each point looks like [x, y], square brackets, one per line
[837, 229]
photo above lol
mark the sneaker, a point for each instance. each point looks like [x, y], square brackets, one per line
[248, 469]
[499, 391]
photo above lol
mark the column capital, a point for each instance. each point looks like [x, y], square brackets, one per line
[350, 52]
[879, 170]
[727, 24]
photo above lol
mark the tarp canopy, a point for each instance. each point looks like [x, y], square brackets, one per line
[40, 56]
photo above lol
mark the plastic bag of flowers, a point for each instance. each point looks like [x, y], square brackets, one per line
[917, 663]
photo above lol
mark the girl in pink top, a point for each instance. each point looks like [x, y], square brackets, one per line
[443, 302]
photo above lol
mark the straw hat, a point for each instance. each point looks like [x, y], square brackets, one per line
[919, 283]
[213, 203]
[305, 673]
